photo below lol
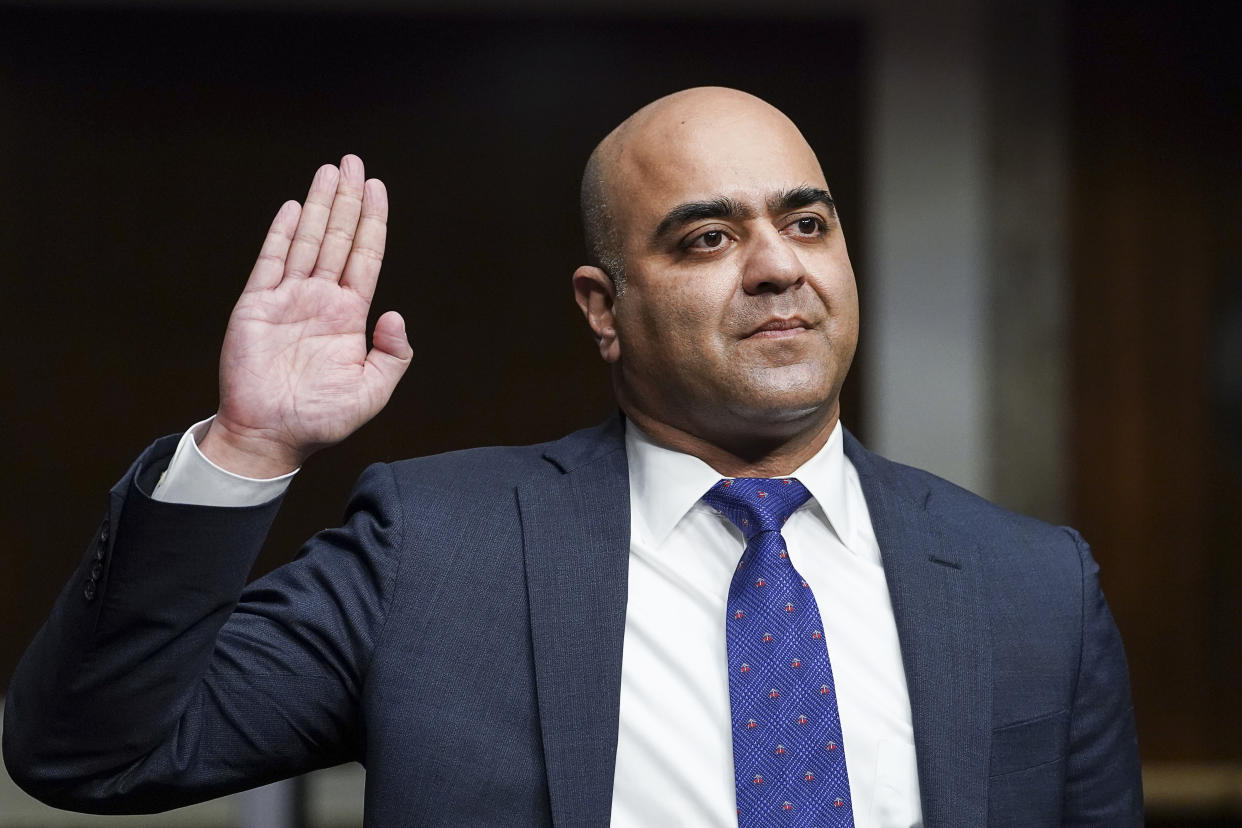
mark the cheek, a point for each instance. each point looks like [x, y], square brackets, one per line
[676, 320]
[838, 294]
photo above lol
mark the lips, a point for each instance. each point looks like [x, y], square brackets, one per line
[777, 327]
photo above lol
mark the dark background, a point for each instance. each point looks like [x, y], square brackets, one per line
[1156, 267]
[144, 152]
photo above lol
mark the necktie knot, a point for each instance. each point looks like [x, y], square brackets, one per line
[757, 504]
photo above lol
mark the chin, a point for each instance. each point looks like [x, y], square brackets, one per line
[795, 393]
[787, 410]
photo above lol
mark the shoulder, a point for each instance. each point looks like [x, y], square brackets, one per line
[963, 517]
[491, 471]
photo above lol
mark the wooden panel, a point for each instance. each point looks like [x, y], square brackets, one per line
[1158, 483]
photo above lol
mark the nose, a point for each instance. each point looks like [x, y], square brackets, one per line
[772, 264]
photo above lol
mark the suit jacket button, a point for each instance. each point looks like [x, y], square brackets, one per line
[89, 592]
[103, 534]
[99, 552]
[96, 570]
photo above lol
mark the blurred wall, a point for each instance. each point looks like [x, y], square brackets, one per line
[1156, 277]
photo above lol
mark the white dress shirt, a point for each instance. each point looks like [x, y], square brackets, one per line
[192, 478]
[674, 747]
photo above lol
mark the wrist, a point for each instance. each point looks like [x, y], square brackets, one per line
[248, 452]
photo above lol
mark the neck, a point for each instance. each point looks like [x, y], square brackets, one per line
[751, 456]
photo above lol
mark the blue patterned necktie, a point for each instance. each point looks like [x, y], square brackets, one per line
[788, 755]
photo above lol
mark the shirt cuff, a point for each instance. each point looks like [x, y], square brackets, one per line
[194, 480]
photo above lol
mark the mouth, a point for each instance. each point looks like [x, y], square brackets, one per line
[780, 328]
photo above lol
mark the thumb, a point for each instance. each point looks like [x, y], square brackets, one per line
[390, 352]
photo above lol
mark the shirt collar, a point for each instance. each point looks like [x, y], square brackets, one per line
[666, 484]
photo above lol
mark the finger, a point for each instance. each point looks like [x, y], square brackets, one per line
[362, 269]
[389, 357]
[269, 268]
[342, 221]
[390, 337]
[309, 236]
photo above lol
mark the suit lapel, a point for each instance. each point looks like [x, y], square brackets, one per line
[576, 533]
[945, 644]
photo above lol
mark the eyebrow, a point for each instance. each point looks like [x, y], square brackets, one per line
[803, 196]
[723, 207]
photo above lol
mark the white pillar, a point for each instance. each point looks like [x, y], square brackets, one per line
[924, 317]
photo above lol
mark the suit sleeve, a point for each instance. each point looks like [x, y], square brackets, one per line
[160, 680]
[1103, 782]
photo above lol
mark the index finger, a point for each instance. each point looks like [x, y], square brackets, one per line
[363, 267]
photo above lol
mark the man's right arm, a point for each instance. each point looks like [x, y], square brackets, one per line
[146, 688]
[165, 683]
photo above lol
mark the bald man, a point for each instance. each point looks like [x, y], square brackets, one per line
[541, 635]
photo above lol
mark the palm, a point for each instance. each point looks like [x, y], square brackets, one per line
[295, 360]
[295, 372]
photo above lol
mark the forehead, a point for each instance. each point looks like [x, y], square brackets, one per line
[747, 156]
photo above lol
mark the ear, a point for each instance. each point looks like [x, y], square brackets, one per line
[595, 295]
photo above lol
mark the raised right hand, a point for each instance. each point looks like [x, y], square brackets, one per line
[295, 372]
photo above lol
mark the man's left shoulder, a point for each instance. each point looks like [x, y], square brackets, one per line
[962, 517]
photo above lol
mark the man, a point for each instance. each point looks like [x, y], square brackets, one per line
[556, 634]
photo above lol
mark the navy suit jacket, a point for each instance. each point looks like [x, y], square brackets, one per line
[461, 634]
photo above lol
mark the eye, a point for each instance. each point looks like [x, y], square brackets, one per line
[711, 240]
[808, 226]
